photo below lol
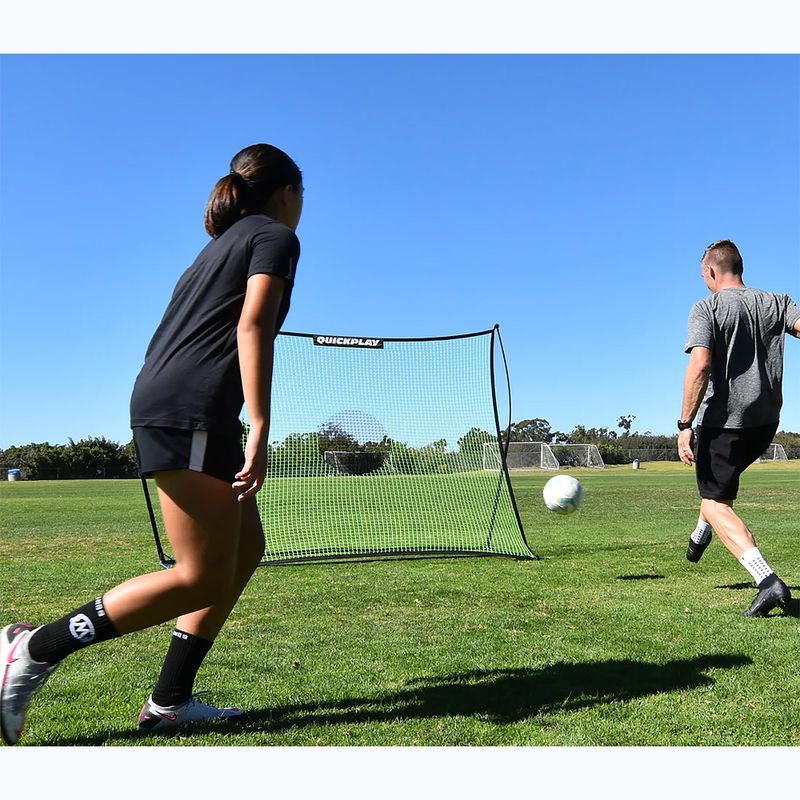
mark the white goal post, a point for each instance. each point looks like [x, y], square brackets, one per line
[578, 455]
[775, 452]
[521, 455]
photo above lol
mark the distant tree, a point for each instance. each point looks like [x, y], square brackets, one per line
[95, 457]
[38, 460]
[625, 422]
[438, 447]
[383, 445]
[787, 438]
[432, 457]
[530, 430]
[474, 439]
[406, 459]
[334, 437]
[129, 454]
[582, 435]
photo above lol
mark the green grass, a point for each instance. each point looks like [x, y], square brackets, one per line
[469, 511]
[612, 639]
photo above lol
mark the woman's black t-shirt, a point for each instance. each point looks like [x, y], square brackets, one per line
[191, 378]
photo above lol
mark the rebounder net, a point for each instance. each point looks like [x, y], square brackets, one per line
[377, 449]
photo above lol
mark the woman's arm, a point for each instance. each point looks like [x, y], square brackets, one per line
[255, 336]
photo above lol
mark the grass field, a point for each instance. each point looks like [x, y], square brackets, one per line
[612, 639]
[469, 511]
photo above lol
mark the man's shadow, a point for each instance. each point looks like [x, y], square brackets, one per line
[502, 696]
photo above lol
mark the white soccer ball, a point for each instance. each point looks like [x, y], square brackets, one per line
[562, 494]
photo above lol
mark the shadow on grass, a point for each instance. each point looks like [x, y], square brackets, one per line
[499, 696]
[794, 604]
[750, 585]
[640, 577]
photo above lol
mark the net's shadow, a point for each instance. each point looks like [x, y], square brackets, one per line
[501, 696]
[640, 577]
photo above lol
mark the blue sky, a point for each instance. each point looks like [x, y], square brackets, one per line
[568, 198]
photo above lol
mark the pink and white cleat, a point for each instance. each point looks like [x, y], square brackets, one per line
[153, 717]
[20, 679]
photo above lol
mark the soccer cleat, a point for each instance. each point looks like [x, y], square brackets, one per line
[153, 717]
[21, 678]
[776, 594]
[696, 550]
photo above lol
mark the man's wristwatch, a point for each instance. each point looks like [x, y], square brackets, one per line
[682, 426]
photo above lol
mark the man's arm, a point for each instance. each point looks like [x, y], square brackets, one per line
[796, 330]
[695, 383]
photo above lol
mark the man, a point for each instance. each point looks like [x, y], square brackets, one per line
[733, 386]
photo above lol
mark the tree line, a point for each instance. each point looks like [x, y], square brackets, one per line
[615, 446]
[93, 457]
[98, 457]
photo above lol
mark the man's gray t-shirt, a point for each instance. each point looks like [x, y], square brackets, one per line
[744, 329]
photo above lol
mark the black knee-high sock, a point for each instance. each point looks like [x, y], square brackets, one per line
[86, 625]
[184, 657]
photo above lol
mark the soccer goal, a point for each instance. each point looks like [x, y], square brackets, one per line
[578, 455]
[520, 455]
[775, 452]
[377, 449]
[355, 462]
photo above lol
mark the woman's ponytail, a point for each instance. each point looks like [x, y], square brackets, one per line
[227, 203]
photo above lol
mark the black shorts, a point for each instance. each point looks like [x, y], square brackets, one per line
[219, 454]
[723, 454]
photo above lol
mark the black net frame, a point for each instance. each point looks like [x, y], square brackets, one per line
[503, 493]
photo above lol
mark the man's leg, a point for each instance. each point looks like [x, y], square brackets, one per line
[699, 539]
[736, 536]
[730, 528]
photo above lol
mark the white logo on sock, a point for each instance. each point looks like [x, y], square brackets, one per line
[98, 607]
[81, 628]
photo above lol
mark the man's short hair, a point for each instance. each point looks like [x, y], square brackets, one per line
[724, 256]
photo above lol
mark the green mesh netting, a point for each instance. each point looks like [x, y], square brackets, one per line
[377, 448]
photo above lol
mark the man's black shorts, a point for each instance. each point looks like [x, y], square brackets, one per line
[723, 454]
[215, 453]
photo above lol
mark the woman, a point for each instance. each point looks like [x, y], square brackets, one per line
[212, 352]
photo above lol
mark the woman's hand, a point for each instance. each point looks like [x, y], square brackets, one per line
[250, 478]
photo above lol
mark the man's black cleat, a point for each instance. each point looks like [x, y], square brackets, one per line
[696, 550]
[774, 593]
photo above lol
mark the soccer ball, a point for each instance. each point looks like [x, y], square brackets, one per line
[563, 494]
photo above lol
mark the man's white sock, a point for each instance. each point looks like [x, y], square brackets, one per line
[702, 533]
[756, 565]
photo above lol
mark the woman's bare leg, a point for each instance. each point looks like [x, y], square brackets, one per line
[202, 520]
[207, 622]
